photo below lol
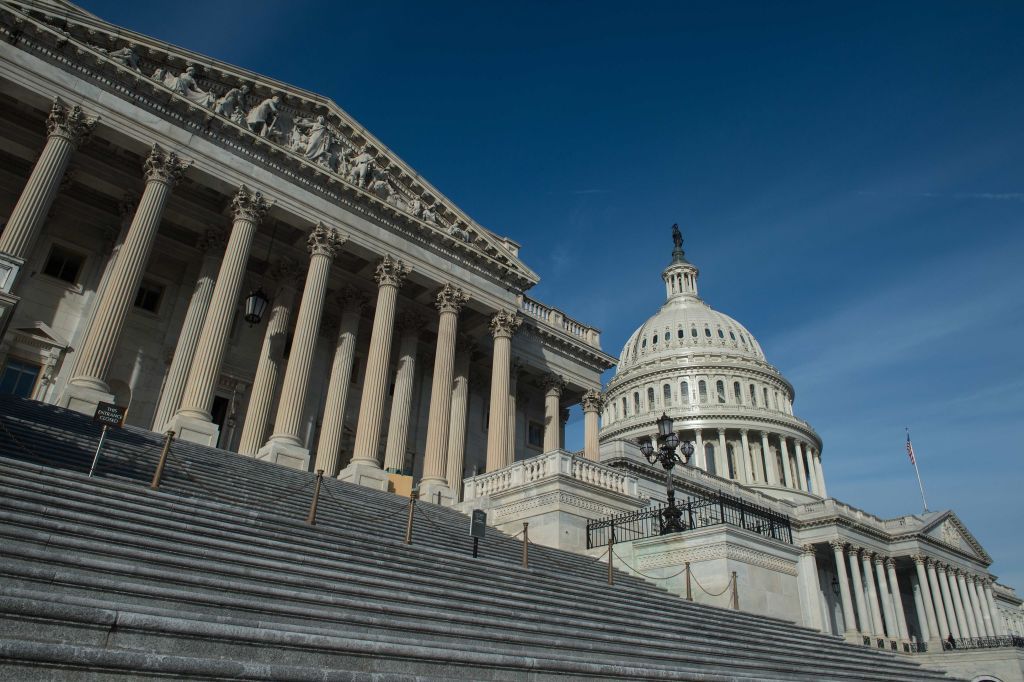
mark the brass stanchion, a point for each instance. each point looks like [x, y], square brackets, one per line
[159, 473]
[611, 575]
[311, 517]
[689, 590]
[408, 521]
[526, 545]
[735, 593]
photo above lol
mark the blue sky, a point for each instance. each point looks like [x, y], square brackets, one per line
[849, 177]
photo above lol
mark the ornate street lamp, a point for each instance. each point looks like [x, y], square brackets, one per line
[255, 303]
[666, 456]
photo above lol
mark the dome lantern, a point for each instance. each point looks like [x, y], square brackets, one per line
[681, 275]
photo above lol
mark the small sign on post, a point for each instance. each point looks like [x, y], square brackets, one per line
[477, 528]
[108, 415]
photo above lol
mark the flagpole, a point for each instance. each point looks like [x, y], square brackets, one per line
[918, 472]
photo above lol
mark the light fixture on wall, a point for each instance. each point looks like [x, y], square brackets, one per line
[257, 301]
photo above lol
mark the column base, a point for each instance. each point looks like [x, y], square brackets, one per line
[194, 430]
[85, 399]
[366, 474]
[284, 453]
[853, 637]
[436, 492]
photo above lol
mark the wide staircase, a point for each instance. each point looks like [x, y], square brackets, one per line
[217, 575]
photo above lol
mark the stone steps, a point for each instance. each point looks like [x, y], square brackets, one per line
[216, 576]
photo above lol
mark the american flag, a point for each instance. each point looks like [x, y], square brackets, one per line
[910, 450]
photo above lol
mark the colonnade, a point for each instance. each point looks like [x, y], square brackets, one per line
[948, 600]
[754, 462]
[195, 369]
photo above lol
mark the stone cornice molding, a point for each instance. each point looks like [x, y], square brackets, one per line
[390, 272]
[249, 205]
[571, 347]
[325, 241]
[408, 204]
[718, 550]
[70, 123]
[505, 323]
[164, 166]
[450, 299]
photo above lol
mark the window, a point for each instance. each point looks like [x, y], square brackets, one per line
[709, 458]
[643, 344]
[720, 390]
[681, 334]
[18, 378]
[693, 332]
[654, 341]
[753, 395]
[732, 335]
[737, 392]
[766, 397]
[743, 339]
[707, 332]
[148, 296]
[730, 457]
[64, 264]
[666, 391]
[535, 434]
[684, 392]
[721, 334]
[615, 411]
[650, 399]
[636, 403]
[702, 388]
[775, 397]
[623, 408]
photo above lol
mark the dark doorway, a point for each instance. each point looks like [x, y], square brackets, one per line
[220, 415]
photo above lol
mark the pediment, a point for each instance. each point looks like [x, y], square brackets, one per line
[949, 530]
[313, 133]
[42, 335]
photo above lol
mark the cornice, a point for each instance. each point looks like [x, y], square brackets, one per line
[618, 429]
[73, 47]
[574, 348]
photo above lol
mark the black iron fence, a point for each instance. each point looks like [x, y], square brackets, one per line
[697, 512]
[983, 642]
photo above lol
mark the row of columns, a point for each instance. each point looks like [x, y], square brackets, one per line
[195, 368]
[956, 602]
[873, 586]
[804, 458]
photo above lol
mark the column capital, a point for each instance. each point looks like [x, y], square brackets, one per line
[69, 122]
[390, 272]
[808, 549]
[505, 323]
[249, 205]
[553, 385]
[163, 166]
[564, 415]
[592, 401]
[919, 559]
[837, 545]
[325, 241]
[212, 241]
[890, 562]
[880, 559]
[744, 432]
[852, 551]
[450, 299]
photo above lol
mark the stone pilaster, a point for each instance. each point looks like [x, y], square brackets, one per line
[553, 387]
[592, 402]
[365, 469]
[849, 619]
[409, 325]
[503, 325]
[66, 127]
[193, 420]
[434, 484]
[286, 276]
[863, 616]
[873, 602]
[897, 599]
[927, 602]
[285, 447]
[457, 433]
[88, 386]
[212, 246]
[351, 301]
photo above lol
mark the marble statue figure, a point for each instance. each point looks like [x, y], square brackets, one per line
[261, 117]
[231, 102]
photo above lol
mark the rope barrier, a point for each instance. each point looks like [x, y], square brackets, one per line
[17, 442]
[728, 585]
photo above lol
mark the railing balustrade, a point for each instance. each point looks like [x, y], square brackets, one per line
[983, 643]
[556, 318]
[547, 466]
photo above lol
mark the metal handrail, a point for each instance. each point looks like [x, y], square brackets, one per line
[983, 642]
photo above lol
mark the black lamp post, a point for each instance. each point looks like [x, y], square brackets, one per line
[666, 456]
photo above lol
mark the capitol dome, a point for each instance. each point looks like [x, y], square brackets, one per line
[708, 372]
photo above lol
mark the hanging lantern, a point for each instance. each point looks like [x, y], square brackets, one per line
[255, 305]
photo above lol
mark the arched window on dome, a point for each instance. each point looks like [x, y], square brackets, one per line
[737, 392]
[654, 341]
[732, 335]
[636, 403]
[709, 458]
[615, 411]
[707, 332]
[643, 344]
[776, 398]
[743, 339]
[766, 403]
[693, 332]
[702, 388]
[721, 334]
[666, 391]
[680, 334]
[720, 390]
[730, 460]
[650, 399]
[623, 407]
[753, 395]
[684, 392]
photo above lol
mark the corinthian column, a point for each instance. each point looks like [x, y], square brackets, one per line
[980, 613]
[66, 127]
[285, 447]
[849, 619]
[553, 387]
[965, 603]
[212, 246]
[769, 462]
[801, 471]
[364, 469]
[818, 472]
[88, 387]
[998, 623]
[592, 402]
[891, 631]
[952, 620]
[503, 325]
[286, 276]
[858, 590]
[409, 324]
[457, 433]
[749, 466]
[958, 604]
[450, 300]
[193, 421]
[876, 606]
[351, 302]
[897, 599]
[928, 603]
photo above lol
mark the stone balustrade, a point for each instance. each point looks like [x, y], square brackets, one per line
[554, 317]
[549, 466]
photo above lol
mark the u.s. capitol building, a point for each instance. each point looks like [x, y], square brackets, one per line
[240, 262]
